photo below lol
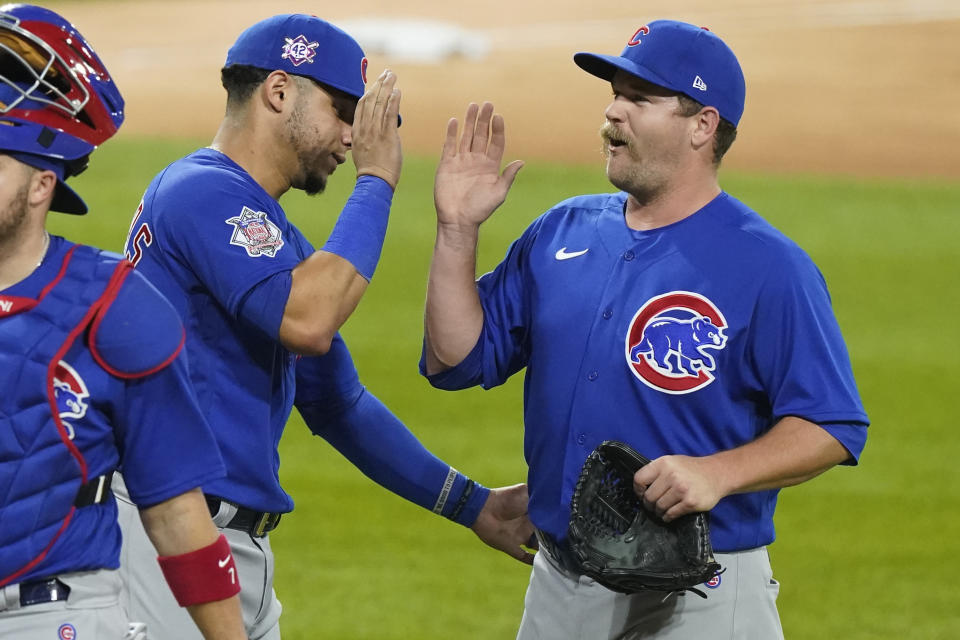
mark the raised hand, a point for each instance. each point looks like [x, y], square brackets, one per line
[469, 185]
[376, 141]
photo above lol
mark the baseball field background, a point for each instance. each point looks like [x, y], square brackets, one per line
[850, 143]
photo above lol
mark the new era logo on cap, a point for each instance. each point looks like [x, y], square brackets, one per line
[698, 83]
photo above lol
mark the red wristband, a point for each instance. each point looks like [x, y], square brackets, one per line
[203, 575]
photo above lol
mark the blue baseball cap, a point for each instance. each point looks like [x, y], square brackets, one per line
[65, 199]
[681, 57]
[305, 46]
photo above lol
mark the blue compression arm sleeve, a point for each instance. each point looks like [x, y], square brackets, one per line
[376, 442]
[339, 409]
[362, 226]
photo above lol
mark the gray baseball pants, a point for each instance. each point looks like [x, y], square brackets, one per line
[149, 600]
[564, 606]
[92, 609]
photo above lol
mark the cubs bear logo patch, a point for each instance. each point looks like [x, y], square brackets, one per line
[71, 394]
[671, 342]
[253, 231]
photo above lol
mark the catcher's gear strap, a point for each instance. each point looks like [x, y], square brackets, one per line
[96, 491]
[204, 575]
[358, 235]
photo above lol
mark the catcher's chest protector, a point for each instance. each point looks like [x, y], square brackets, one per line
[40, 468]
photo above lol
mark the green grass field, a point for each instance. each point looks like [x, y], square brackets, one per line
[862, 553]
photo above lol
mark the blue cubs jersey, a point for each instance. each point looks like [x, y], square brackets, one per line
[94, 381]
[206, 235]
[689, 339]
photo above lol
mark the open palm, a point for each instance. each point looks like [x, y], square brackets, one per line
[469, 185]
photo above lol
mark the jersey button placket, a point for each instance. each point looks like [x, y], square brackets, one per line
[629, 255]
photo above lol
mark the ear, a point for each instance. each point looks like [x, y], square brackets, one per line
[42, 186]
[705, 126]
[277, 91]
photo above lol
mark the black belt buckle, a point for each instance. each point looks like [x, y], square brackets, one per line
[265, 523]
[42, 592]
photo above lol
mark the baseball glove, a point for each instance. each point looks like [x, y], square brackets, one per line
[622, 545]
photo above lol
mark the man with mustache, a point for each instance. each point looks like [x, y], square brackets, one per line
[262, 307]
[668, 316]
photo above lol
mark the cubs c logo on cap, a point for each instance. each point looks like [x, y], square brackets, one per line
[635, 38]
[669, 341]
[363, 70]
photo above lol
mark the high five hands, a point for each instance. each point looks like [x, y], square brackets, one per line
[469, 185]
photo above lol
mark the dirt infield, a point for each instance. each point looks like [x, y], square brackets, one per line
[856, 87]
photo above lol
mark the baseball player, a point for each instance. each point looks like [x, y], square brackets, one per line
[91, 371]
[263, 307]
[667, 315]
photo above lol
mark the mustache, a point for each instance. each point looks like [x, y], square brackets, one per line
[609, 133]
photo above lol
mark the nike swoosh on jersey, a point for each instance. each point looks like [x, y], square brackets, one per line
[223, 562]
[562, 254]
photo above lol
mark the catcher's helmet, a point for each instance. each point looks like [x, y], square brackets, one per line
[57, 99]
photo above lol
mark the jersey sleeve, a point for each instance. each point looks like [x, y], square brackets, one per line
[503, 346]
[165, 443]
[231, 235]
[264, 304]
[800, 357]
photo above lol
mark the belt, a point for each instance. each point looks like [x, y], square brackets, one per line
[560, 553]
[256, 523]
[42, 591]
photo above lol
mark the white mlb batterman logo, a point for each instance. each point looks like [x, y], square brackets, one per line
[253, 231]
